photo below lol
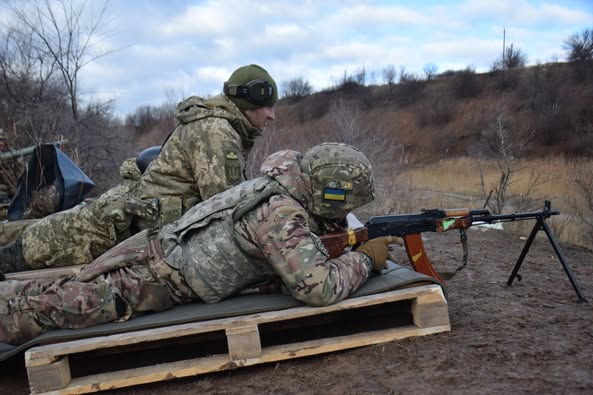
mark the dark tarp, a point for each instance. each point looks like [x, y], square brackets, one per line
[49, 165]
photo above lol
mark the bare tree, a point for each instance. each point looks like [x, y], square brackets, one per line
[405, 76]
[32, 96]
[361, 76]
[512, 58]
[45, 45]
[389, 74]
[296, 88]
[499, 142]
[504, 147]
[373, 78]
[430, 70]
[579, 46]
[64, 30]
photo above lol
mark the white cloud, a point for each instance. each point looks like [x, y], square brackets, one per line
[193, 46]
[368, 16]
[566, 15]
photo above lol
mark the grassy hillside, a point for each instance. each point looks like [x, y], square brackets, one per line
[552, 104]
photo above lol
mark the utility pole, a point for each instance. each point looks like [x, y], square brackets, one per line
[503, 46]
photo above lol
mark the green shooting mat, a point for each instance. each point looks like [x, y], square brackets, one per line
[391, 279]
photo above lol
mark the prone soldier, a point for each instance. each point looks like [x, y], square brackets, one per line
[262, 231]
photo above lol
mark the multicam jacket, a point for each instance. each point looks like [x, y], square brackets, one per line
[205, 154]
[257, 232]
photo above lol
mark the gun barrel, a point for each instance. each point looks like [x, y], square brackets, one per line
[18, 153]
[23, 152]
[493, 218]
[479, 212]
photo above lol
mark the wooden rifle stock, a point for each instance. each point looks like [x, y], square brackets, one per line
[337, 242]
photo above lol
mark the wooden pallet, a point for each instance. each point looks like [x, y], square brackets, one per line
[248, 340]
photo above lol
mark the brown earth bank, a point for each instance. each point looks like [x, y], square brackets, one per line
[532, 337]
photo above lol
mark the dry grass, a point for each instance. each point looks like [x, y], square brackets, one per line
[455, 183]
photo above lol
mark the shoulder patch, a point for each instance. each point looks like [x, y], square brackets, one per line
[232, 165]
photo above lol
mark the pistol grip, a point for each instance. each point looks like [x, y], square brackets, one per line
[418, 257]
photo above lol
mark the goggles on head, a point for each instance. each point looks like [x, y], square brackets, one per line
[256, 91]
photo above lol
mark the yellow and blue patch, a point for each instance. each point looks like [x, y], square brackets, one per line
[334, 194]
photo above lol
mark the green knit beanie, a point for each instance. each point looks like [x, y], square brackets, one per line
[251, 87]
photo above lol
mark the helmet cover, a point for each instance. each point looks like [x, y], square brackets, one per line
[341, 179]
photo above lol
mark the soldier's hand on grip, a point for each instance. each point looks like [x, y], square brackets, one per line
[378, 249]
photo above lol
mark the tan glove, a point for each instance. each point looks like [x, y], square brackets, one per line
[377, 249]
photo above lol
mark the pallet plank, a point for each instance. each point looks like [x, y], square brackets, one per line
[244, 342]
[52, 376]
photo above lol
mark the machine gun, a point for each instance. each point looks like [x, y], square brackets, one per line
[411, 226]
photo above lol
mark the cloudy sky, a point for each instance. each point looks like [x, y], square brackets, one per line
[168, 49]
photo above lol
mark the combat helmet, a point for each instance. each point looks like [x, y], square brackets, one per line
[341, 179]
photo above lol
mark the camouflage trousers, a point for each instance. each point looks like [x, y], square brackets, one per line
[130, 279]
[78, 235]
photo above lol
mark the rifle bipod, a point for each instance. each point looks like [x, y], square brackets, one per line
[541, 225]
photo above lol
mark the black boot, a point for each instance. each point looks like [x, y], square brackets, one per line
[11, 258]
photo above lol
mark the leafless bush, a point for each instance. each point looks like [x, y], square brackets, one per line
[360, 77]
[264, 146]
[512, 58]
[430, 71]
[409, 90]
[372, 97]
[539, 88]
[150, 125]
[99, 144]
[296, 88]
[435, 110]
[314, 107]
[579, 46]
[466, 84]
[385, 152]
[33, 100]
[583, 202]
[499, 143]
[505, 80]
[389, 74]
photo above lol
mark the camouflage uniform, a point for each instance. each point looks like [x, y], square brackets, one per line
[10, 168]
[251, 234]
[79, 234]
[205, 154]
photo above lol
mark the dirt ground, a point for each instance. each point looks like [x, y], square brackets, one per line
[529, 338]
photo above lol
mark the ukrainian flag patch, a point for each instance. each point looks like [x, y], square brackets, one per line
[334, 194]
